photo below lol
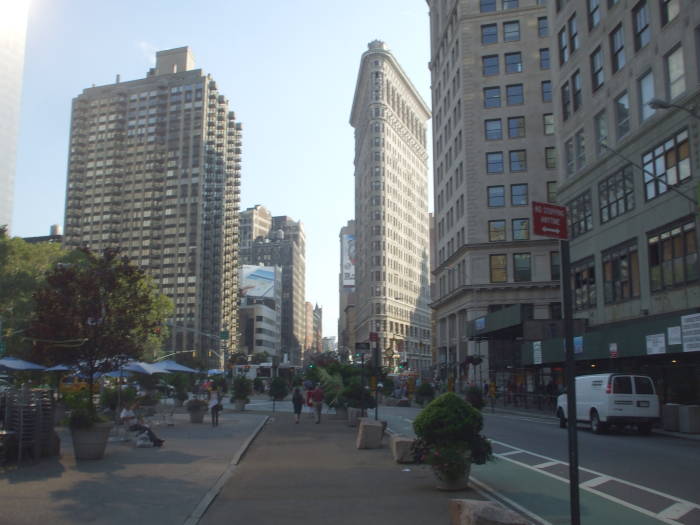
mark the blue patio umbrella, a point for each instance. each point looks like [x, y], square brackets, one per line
[172, 366]
[143, 368]
[58, 368]
[13, 363]
[215, 372]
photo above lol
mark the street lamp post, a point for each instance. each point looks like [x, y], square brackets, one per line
[657, 103]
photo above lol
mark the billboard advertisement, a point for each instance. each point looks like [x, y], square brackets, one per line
[258, 281]
[347, 260]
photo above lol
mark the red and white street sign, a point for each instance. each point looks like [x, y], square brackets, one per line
[374, 337]
[549, 220]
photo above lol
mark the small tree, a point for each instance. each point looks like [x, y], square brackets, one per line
[97, 313]
[259, 357]
[278, 389]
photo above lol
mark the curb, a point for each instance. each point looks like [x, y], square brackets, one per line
[213, 492]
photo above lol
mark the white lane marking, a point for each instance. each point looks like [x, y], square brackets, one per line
[491, 493]
[407, 419]
[526, 418]
[590, 486]
[509, 453]
[546, 464]
[676, 511]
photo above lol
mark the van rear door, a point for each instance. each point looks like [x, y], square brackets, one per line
[622, 397]
[646, 402]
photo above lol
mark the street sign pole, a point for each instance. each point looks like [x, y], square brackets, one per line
[549, 220]
[570, 382]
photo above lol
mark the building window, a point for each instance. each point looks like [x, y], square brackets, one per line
[640, 20]
[521, 229]
[675, 73]
[580, 214]
[518, 160]
[666, 165]
[497, 268]
[496, 196]
[573, 34]
[621, 273]
[510, 4]
[518, 195]
[516, 127]
[617, 48]
[489, 65]
[569, 157]
[514, 94]
[492, 97]
[597, 71]
[565, 100]
[542, 27]
[489, 34]
[544, 58]
[616, 194]
[497, 231]
[511, 31]
[593, 14]
[522, 270]
[547, 91]
[548, 123]
[487, 6]
[554, 266]
[600, 123]
[583, 284]
[622, 115]
[494, 162]
[669, 10]
[646, 94]
[550, 158]
[673, 256]
[580, 140]
[576, 89]
[493, 129]
[514, 62]
[563, 41]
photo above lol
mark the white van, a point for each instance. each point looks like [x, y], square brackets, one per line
[613, 399]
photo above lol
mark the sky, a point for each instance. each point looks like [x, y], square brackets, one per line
[287, 67]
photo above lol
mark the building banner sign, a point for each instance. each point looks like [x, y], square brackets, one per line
[347, 260]
[690, 330]
[656, 344]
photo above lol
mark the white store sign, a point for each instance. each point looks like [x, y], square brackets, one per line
[690, 328]
[656, 344]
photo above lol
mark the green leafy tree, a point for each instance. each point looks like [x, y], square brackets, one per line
[23, 268]
[260, 357]
[96, 313]
[278, 389]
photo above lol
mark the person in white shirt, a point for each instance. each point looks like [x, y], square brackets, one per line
[130, 421]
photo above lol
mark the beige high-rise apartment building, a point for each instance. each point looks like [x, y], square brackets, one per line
[256, 223]
[154, 168]
[493, 154]
[13, 35]
[391, 211]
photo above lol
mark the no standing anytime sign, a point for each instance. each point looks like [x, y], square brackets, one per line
[549, 220]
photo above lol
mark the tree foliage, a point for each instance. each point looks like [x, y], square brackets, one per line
[23, 267]
[96, 313]
[259, 357]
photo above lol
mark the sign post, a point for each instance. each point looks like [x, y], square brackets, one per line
[549, 220]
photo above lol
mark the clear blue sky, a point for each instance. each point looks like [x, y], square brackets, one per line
[288, 68]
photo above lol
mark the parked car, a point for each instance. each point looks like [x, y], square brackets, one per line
[613, 399]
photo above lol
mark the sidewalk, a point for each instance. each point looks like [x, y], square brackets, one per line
[130, 485]
[313, 474]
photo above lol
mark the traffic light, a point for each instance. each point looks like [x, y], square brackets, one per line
[311, 365]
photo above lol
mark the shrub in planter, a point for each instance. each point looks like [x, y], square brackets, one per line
[242, 388]
[89, 431]
[258, 385]
[278, 389]
[358, 397]
[449, 437]
[197, 408]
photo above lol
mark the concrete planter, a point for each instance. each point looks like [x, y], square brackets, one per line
[669, 417]
[689, 419]
[460, 483]
[90, 443]
[197, 415]
[240, 404]
[353, 416]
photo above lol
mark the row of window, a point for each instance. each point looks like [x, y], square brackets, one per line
[496, 195]
[515, 95]
[495, 162]
[493, 128]
[513, 63]
[668, 164]
[672, 257]
[522, 267]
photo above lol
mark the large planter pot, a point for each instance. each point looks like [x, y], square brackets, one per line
[239, 404]
[197, 416]
[460, 483]
[90, 443]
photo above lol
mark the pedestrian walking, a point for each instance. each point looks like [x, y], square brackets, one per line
[215, 407]
[309, 401]
[298, 402]
[317, 398]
